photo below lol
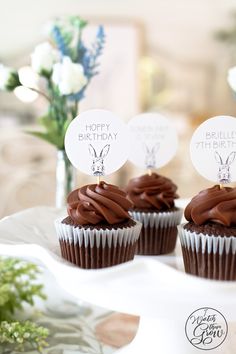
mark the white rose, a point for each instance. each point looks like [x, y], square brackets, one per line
[8, 78]
[232, 78]
[43, 58]
[68, 76]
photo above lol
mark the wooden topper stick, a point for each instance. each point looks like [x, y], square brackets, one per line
[98, 179]
[149, 172]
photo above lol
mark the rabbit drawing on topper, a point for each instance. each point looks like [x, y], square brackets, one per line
[150, 155]
[224, 168]
[98, 159]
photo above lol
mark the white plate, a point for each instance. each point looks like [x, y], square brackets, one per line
[150, 286]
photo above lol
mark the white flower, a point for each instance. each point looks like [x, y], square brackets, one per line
[232, 78]
[68, 76]
[28, 77]
[5, 74]
[43, 57]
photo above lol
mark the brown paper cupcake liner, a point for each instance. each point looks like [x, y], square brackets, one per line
[211, 257]
[97, 248]
[159, 232]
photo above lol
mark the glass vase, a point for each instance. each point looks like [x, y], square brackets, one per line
[65, 178]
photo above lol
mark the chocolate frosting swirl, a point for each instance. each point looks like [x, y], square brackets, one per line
[213, 205]
[98, 203]
[152, 192]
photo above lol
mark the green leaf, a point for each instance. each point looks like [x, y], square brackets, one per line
[13, 82]
[78, 22]
[41, 135]
[18, 286]
[46, 74]
[66, 125]
[22, 335]
[49, 123]
[57, 140]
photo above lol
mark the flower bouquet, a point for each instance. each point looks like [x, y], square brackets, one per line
[64, 66]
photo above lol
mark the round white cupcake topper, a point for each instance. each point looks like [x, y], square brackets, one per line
[213, 149]
[96, 142]
[153, 140]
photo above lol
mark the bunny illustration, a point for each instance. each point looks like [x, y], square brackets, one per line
[224, 168]
[98, 160]
[150, 155]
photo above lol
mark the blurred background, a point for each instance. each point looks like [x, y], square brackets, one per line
[169, 56]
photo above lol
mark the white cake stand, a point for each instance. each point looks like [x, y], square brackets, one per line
[155, 288]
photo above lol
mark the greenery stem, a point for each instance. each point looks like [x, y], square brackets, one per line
[40, 93]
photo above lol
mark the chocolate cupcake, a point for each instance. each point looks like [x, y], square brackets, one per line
[98, 231]
[209, 238]
[153, 198]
